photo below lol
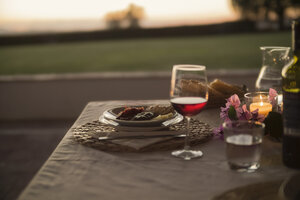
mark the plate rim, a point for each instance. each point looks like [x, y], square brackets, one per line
[120, 127]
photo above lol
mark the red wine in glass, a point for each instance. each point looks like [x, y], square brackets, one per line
[188, 106]
[189, 95]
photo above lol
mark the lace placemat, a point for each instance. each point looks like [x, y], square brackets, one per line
[88, 134]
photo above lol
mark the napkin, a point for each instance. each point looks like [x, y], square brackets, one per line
[144, 142]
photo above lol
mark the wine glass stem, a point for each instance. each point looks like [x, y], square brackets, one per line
[187, 138]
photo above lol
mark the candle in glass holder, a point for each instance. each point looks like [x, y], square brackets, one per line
[263, 107]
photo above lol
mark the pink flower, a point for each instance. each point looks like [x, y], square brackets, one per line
[256, 116]
[239, 112]
[245, 115]
[272, 93]
[272, 96]
[233, 101]
[224, 113]
[219, 132]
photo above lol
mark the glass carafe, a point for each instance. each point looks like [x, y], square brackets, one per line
[274, 59]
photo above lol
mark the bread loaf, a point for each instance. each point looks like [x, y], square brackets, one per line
[218, 91]
[226, 89]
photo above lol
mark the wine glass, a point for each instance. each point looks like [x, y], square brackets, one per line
[188, 95]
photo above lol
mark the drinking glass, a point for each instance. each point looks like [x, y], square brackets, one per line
[189, 96]
[243, 144]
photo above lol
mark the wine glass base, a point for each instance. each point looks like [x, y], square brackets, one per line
[187, 154]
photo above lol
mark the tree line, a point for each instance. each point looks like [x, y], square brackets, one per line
[251, 10]
[127, 18]
[267, 10]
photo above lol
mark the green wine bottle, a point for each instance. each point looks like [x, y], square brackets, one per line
[291, 103]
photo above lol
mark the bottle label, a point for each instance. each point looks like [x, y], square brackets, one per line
[291, 112]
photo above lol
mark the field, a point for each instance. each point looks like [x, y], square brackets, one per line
[236, 51]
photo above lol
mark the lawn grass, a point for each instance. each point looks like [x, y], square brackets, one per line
[237, 51]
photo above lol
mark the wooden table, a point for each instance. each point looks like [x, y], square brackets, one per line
[75, 171]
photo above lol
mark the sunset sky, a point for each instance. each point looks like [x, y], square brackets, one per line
[22, 15]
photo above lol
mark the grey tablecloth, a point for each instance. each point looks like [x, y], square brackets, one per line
[74, 171]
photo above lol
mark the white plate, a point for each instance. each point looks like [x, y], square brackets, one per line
[164, 125]
[111, 115]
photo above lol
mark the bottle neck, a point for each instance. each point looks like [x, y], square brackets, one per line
[297, 53]
[296, 38]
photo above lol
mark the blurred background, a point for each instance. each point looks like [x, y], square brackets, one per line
[63, 36]
[57, 55]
